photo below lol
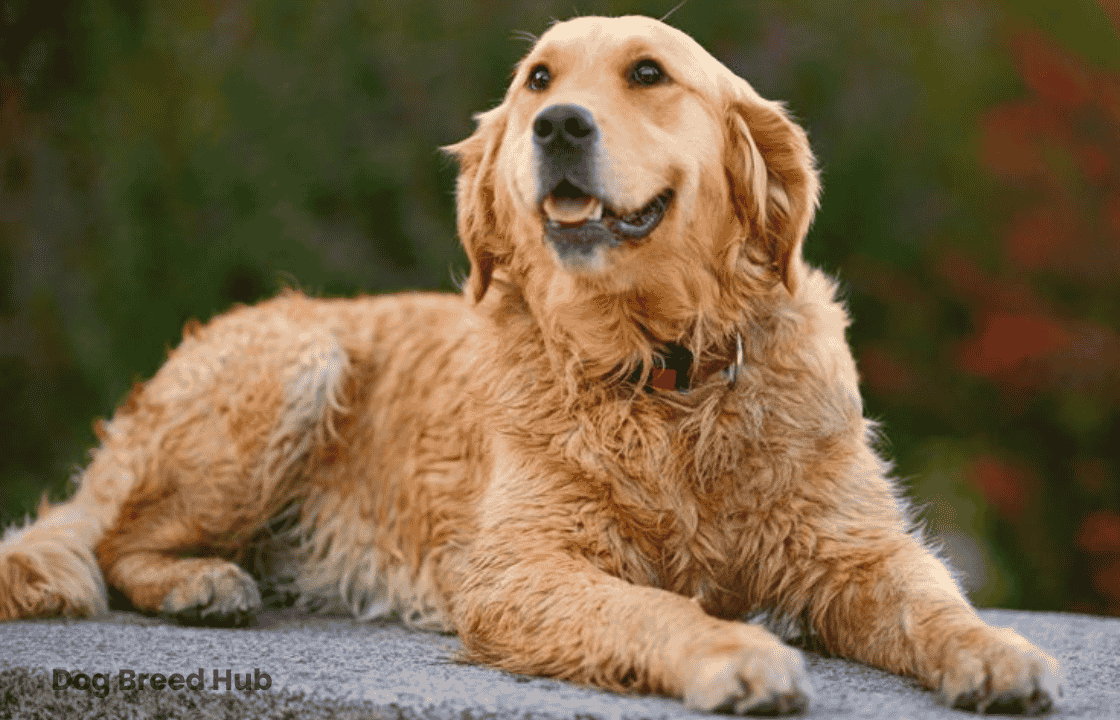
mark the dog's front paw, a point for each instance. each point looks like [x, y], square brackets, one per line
[762, 678]
[995, 670]
[222, 594]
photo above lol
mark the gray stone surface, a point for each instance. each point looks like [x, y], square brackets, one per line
[411, 674]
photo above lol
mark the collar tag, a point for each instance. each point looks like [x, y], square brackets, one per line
[679, 362]
[663, 379]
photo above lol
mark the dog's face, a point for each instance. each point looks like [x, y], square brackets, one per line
[626, 163]
[609, 135]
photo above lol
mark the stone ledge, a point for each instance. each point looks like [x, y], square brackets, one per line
[388, 670]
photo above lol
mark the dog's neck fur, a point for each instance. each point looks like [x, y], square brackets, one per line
[705, 349]
[544, 389]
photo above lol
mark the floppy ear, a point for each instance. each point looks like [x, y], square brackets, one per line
[477, 205]
[773, 178]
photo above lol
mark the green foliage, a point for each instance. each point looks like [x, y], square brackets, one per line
[161, 161]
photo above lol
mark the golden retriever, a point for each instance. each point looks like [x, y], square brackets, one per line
[639, 424]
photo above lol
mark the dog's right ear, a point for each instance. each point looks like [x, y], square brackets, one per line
[479, 217]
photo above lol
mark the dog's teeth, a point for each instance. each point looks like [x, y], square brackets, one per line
[571, 212]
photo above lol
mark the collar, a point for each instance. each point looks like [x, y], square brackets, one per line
[672, 368]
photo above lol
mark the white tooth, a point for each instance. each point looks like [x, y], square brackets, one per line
[597, 213]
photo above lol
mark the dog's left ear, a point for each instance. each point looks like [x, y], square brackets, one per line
[477, 204]
[773, 178]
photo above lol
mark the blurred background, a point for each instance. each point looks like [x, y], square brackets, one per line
[160, 161]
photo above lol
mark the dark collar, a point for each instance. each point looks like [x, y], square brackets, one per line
[672, 368]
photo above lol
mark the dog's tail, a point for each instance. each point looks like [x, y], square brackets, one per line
[48, 567]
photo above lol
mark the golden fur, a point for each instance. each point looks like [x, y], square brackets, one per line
[495, 464]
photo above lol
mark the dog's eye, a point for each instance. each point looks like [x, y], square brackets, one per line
[647, 72]
[539, 78]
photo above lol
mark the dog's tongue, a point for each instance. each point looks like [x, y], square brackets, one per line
[572, 211]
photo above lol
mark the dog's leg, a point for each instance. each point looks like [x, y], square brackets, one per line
[233, 419]
[191, 467]
[192, 591]
[888, 601]
[556, 615]
[198, 498]
[126, 520]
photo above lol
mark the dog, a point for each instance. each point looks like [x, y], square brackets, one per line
[637, 425]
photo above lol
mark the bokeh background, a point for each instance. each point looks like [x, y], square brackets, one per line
[160, 161]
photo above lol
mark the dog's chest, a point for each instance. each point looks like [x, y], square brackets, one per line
[666, 529]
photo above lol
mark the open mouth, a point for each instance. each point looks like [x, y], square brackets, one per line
[573, 216]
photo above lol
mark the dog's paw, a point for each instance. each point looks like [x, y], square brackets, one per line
[995, 670]
[220, 595]
[762, 679]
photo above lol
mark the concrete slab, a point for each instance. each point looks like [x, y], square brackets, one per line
[387, 670]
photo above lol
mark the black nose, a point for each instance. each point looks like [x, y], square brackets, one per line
[564, 126]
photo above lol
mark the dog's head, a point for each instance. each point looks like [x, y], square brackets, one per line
[627, 165]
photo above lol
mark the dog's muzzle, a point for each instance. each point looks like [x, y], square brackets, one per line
[576, 217]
